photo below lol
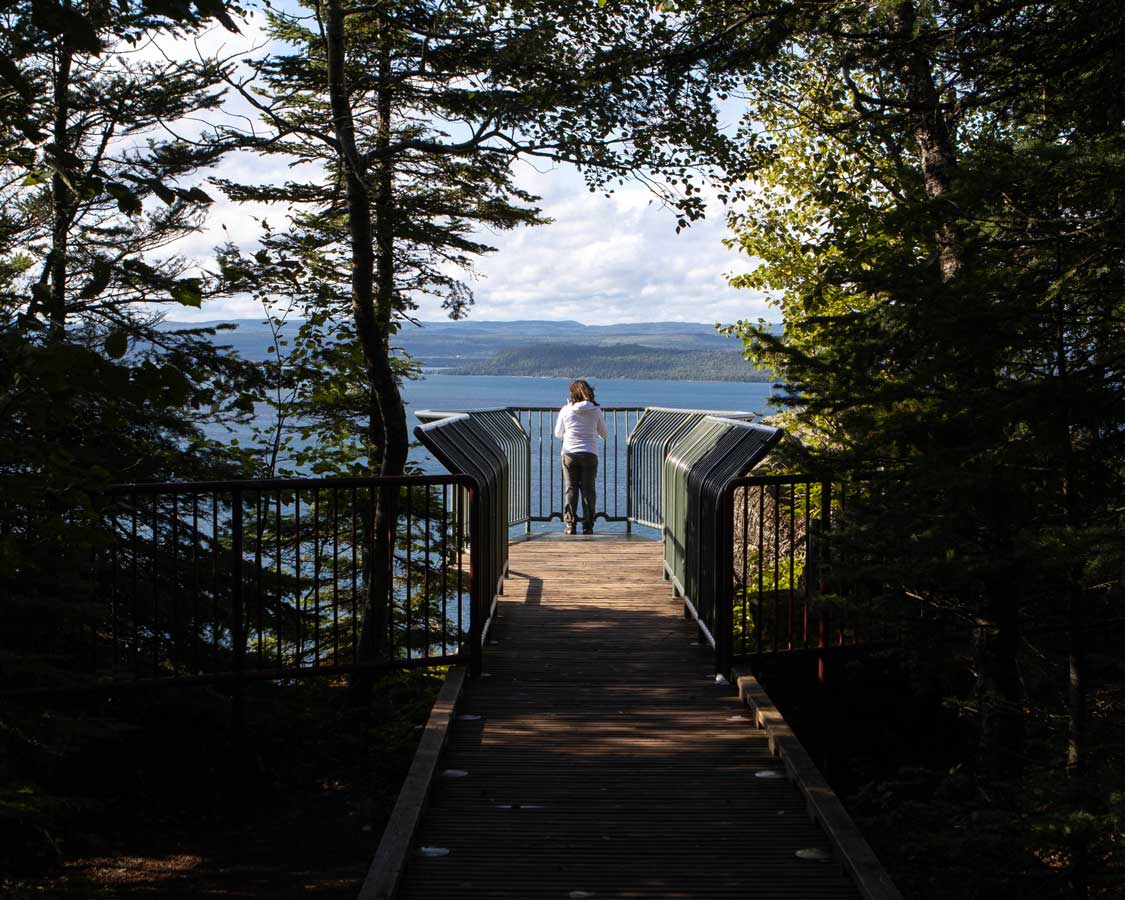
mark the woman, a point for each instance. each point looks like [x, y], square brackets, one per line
[578, 426]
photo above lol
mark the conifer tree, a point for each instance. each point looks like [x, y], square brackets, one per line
[95, 189]
[939, 219]
[413, 114]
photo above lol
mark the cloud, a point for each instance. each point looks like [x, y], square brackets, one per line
[615, 259]
[603, 260]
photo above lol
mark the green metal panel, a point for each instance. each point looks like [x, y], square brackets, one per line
[674, 499]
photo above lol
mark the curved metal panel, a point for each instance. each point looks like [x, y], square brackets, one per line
[465, 445]
[698, 470]
[658, 429]
[509, 434]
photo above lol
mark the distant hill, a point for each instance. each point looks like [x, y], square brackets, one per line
[668, 350]
[619, 361]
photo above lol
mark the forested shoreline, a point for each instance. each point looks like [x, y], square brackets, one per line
[620, 361]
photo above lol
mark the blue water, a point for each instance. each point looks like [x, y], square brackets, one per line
[437, 391]
[450, 392]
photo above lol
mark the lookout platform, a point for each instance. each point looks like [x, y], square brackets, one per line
[597, 756]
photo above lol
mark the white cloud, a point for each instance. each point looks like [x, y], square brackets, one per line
[615, 259]
[603, 260]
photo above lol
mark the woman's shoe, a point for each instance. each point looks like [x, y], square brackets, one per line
[569, 529]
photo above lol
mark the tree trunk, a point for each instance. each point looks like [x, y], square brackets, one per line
[999, 688]
[369, 300]
[61, 197]
[930, 131]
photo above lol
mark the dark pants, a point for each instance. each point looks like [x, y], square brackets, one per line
[580, 471]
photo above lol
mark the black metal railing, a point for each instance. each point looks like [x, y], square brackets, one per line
[788, 579]
[545, 487]
[507, 432]
[274, 578]
[650, 441]
[465, 445]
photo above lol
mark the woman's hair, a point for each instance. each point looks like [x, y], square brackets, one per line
[580, 390]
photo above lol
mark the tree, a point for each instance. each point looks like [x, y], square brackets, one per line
[413, 114]
[939, 219]
[92, 389]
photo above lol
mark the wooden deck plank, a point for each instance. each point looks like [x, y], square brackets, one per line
[608, 762]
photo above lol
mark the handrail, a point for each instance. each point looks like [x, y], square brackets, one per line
[507, 431]
[776, 577]
[227, 581]
[464, 444]
[545, 486]
[696, 471]
[658, 428]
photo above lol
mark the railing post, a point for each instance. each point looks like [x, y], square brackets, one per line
[238, 640]
[823, 555]
[477, 597]
[724, 602]
[527, 479]
[628, 480]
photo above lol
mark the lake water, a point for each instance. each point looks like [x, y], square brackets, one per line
[438, 391]
[450, 392]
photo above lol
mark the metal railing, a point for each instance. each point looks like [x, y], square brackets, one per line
[545, 486]
[464, 444]
[696, 472]
[273, 578]
[786, 581]
[657, 430]
[506, 431]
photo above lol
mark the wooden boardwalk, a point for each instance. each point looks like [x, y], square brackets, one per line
[606, 761]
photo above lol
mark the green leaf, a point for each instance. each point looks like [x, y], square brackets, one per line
[164, 192]
[116, 344]
[127, 201]
[99, 280]
[197, 195]
[188, 292]
[34, 178]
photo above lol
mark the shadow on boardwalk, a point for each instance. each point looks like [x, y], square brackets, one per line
[606, 761]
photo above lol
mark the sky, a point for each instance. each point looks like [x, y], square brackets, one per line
[602, 260]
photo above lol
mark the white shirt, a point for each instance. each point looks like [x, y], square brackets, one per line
[579, 425]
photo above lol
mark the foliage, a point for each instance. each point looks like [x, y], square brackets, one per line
[620, 361]
[938, 215]
[91, 392]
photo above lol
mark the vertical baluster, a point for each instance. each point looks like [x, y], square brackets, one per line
[539, 443]
[809, 574]
[335, 575]
[409, 565]
[114, 593]
[428, 494]
[195, 582]
[154, 628]
[355, 575]
[792, 554]
[174, 566]
[316, 577]
[215, 626]
[458, 542]
[298, 581]
[279, 600]
[369, 546]
[134, 594]
[237, 615]
[759, 617]
[445, 562]
[605, 476]
[259, 531]
[745, 569]
[776, 496]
